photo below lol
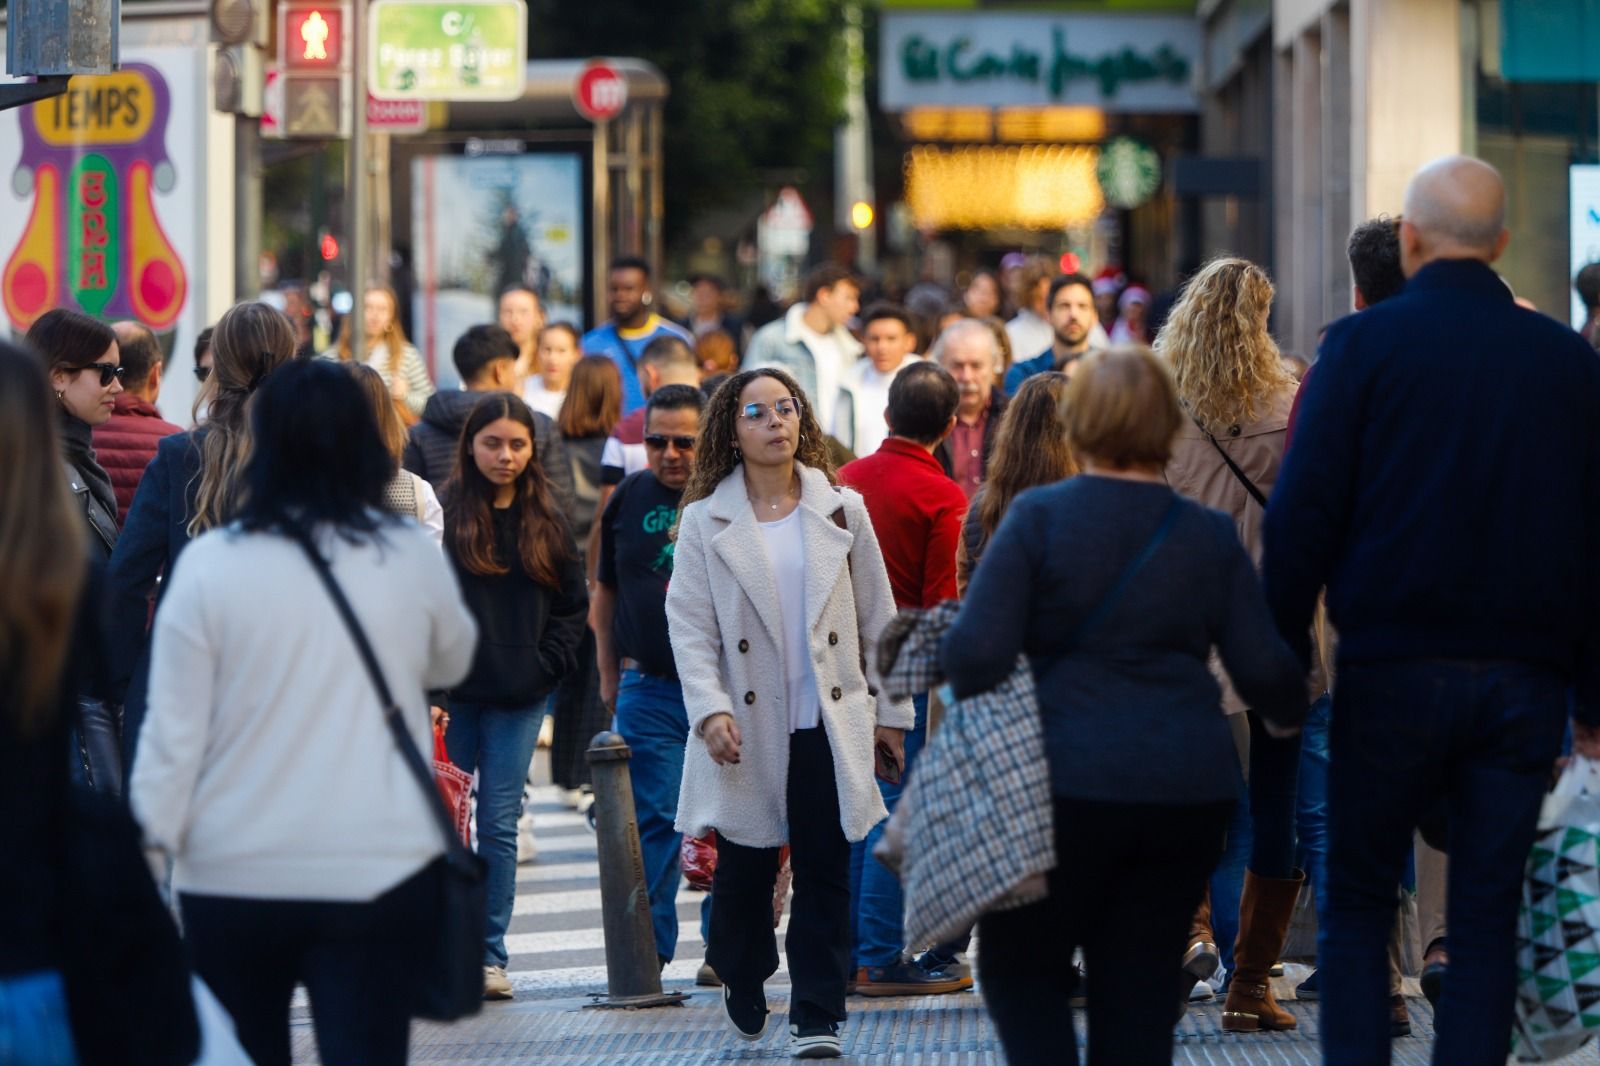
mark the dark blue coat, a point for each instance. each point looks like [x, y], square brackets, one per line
[1444, 484]
[154, 535]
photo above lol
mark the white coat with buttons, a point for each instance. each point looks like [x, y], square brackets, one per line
[727, 640]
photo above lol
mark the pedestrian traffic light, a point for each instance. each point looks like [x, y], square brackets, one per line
[312, 37]
[861, 214]
[329, 246]
[314, 70]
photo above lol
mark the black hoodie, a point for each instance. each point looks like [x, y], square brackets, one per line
[528, 633]
[431, 452]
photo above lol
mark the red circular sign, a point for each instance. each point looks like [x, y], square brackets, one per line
[600, 93]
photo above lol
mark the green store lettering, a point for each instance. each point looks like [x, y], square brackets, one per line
[922, 61]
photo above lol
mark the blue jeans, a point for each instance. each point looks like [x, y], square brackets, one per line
[1227, 881]
[498, 743]
[652, 719]
[1311, 815]
[876, 899]
[1484, 735]
[34, 1030]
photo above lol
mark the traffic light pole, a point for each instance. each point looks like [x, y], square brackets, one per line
[360, 180]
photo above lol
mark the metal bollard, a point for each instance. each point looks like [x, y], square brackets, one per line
[633, 971]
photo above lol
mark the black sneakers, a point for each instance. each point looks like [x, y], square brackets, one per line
[814, 1041]
[747, 1012]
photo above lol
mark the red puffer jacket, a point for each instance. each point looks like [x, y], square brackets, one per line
[126, 444]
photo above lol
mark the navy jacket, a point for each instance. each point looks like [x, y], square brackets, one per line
[151, 540]
[1444, 484]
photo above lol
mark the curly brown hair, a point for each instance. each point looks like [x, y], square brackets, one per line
[716, 455]
[1216, 342]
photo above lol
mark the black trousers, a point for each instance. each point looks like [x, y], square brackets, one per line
[1129, 879]
[356, 960]
[743, 947]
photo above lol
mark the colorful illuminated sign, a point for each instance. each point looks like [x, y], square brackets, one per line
[92, 161]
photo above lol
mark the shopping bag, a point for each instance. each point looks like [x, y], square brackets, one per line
[455, 787]
[698, 857]
[1558, 926]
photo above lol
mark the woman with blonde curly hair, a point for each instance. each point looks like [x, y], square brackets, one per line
[1237, 396]
[778, 591]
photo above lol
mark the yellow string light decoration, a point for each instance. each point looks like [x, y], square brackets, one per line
[1048, 186]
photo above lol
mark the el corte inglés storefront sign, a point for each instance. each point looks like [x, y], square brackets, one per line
[1115, 62]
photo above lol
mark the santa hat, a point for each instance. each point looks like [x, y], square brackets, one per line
[1108, 281]
[1134, 294]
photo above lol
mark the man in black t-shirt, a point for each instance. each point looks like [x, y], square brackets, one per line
[638, 679]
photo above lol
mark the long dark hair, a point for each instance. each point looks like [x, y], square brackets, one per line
[542, 538]
[318, 457]
[715, 456]
[1030, 447]
[42, 560]
[593, 404]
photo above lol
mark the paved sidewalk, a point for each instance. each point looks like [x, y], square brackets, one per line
[558, 958]
[934, 1030]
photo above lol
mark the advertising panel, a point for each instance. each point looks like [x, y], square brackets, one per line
[480, 224]
[102, 205]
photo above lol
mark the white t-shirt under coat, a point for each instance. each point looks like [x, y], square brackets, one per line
[785, 544]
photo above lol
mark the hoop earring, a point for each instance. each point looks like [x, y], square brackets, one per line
[738, 456]
[802, 438]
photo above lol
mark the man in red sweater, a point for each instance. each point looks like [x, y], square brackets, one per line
[916, 512]
[126, 443]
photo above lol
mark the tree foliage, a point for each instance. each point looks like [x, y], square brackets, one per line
[755, 84]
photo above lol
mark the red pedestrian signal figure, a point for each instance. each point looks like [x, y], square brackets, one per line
[311, 37]
[314, 32]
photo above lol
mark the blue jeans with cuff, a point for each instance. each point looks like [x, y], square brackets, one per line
[498, 743]
[651, 717]
[876, 899]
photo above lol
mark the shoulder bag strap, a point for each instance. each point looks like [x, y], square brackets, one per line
[1112, 598]
[1244, 479]
[391, 712]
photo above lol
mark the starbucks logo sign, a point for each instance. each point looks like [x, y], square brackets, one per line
[1129, 172]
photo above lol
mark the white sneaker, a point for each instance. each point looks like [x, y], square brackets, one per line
[527, 848]
[1201, 992]
[496, 985]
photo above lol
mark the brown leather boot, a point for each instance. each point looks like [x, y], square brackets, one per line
[1264, 913]
[1201, 959]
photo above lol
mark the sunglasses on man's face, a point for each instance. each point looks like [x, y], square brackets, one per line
[109, 372]
[659, 442]
[201, 373]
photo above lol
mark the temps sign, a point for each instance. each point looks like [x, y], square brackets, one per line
[453, 50]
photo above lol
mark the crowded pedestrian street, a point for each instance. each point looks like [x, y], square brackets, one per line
[1016, 532]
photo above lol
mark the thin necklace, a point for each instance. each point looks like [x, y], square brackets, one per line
[791, 492]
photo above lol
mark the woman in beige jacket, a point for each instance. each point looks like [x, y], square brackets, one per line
[778, 592]
[1237, 394]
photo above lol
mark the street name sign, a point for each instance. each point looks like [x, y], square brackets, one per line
[447, 49]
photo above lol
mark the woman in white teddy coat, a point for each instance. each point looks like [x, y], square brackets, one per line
[777, 594]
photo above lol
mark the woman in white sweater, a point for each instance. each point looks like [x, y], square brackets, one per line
[778, 589]
[301, 843]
